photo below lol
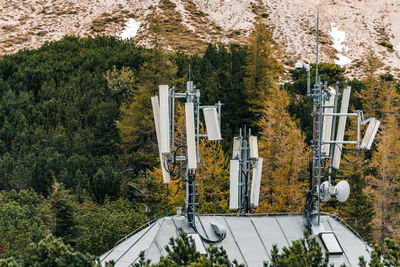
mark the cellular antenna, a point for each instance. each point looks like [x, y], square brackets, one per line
[164, 119]
[244, 198]
[327, 144]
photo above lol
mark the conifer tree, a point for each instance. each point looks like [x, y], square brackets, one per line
[182, 252]
[357, 210]
[386, 253]
[52, 251]
[384, 184]
[62, 217]
[262, 67]
[281, 142]
[285, 156]
[212, 178]
[136, 126]
[303, 252]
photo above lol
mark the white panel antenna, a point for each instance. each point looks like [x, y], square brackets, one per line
[341, 127]
[234, 185]
[190, 136]
[256, 183]
[212, 123]
[327, 126]
[237, 143]
[164, 120]
[156, 113]
[369, 136]
[253, 147]
[165, 174]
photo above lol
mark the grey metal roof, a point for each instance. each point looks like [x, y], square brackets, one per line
[249, 240]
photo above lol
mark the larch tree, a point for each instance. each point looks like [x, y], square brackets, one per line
[136, 126]
[281, 143]
[285, 155]
[262, 67]
[212, 177]
[384, 183]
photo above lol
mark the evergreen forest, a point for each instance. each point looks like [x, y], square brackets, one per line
[79, 164]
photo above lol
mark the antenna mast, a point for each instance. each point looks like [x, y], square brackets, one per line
[164, 117]
[327, 143]
[244, 159]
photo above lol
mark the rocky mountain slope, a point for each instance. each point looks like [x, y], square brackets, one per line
[349, 29]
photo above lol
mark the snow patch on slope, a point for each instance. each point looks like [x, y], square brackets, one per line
[130, 31]
[338, 38]
[397, 48]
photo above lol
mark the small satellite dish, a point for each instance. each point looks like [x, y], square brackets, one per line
[342, 191]
[325, 195]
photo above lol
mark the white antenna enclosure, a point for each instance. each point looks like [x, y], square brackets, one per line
[237, 143]
[156, 114]
[327, 126]
[190, 136]
[341, 127]
[369, 136]
[342, 191]
[164, 119]
[256, 183]
[234, 185]
[212, 123]
[253, 147]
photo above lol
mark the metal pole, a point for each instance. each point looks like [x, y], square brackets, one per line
[244, 179]
[319, 146]
[308, 81]
[316, 60]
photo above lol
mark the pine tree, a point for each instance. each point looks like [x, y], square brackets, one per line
[182, 252]
[52, 251]
[303, 252]
[62, 217]
[387, 253]
[358, 210]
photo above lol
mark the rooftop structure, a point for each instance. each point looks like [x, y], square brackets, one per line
[249, 239]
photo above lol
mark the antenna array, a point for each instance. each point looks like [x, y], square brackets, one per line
[244, 158]
[164, 119]
[328, 143]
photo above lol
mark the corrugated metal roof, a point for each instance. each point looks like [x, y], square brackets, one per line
[249, 240]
